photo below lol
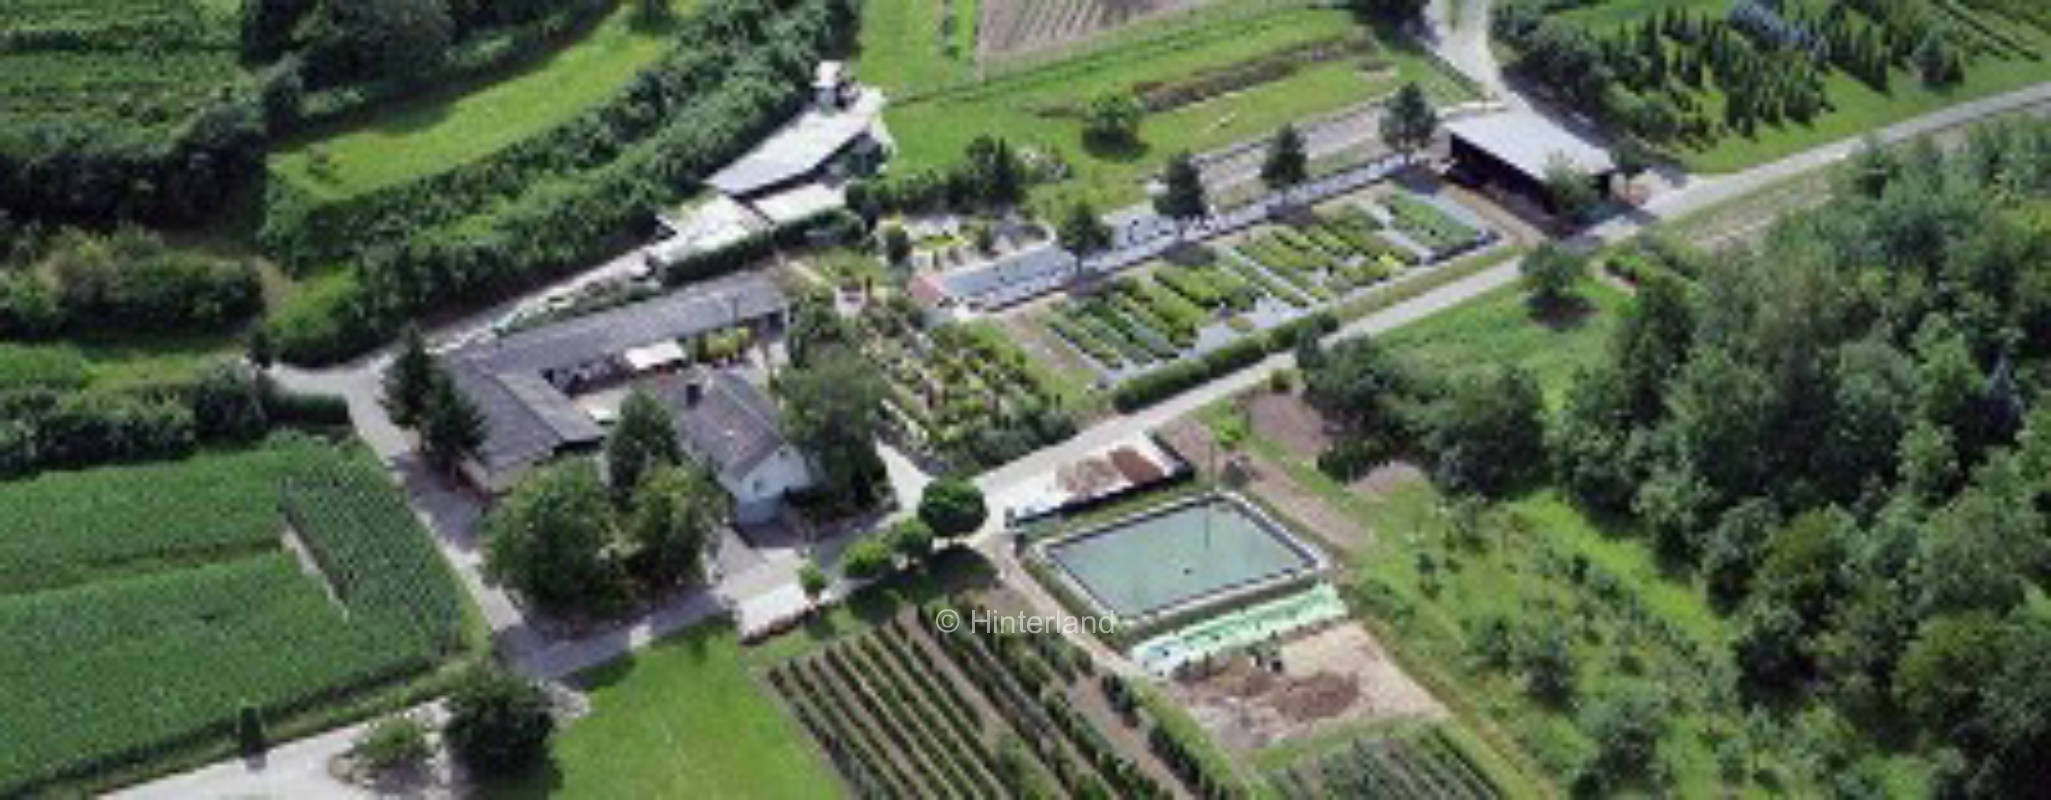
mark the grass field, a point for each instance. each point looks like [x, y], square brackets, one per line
[899, 46]
[1498, 328]
[933, 131]
[1538, 564]
[692, 716]
[420, 137]
[684, 718]
[142, 607]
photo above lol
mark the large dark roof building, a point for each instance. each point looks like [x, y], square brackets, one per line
[523, 383]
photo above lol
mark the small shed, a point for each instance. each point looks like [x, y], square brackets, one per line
[1515, 150]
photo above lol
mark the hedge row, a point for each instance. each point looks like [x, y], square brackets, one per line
[1152, 387]
[45, 428]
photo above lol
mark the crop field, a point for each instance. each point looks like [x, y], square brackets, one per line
[1036, 106]
[1425, 764]
[909, 708]
[1013, 26]
[75, 527]
[174, 604]
[421, 137]
[137, 65]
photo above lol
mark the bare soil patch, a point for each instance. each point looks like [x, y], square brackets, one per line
[1335, 677]
[1286, 419]
[1268, 481]
[1014, 27]
[1386, 478]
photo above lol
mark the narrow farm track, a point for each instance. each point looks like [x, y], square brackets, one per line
[299, 769]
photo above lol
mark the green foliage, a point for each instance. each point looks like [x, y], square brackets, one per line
[1488, 432]
[643, 441]
[676, 514]
[1409, 123]
[499, 724]
[868, 557]
[952, 507]
[410, 379]
[1551, 273]
[913, 539]
[1286, 163]
[451, 427]
[1082, 232]
[1572, 191]
[58, 367]
[394, 743]
[193, 605]
[1626, 727]
[832, 409]
[897, 245]
[1165, 382]
[812, 580]
[548, 539]
[1182, 195]
[1111, 120]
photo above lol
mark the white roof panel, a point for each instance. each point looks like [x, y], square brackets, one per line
[1530, 142]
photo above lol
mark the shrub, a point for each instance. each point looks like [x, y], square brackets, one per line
[394, 742]
[952, 507]
[1152, 387]
[868, 557]
[498, 724]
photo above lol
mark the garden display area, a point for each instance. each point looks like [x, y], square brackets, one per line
[1729, 85]
[1201, 299]
[144, 608]
[962, 393]
[1180, 555]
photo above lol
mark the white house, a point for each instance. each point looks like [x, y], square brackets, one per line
[731, 428]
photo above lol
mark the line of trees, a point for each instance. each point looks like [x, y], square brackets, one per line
[128, 280]
[555, 202]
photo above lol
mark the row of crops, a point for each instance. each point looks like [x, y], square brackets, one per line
[1426, 764]
[164, 653]
[1137, 322]
[894, 723]
[966, 395]
[67, 527]
[1037, 681]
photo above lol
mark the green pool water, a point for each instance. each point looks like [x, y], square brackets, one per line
[1164, 558]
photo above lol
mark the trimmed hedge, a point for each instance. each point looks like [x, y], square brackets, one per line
[1147, 389]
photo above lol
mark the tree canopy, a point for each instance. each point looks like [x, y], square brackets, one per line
[1286, 163]
[952, 507]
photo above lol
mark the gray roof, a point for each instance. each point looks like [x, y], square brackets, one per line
[1027, 271]
[732, 425]
[790, 154]
[529, 419]
[1530, 142]
[525, 423]
[702, 307]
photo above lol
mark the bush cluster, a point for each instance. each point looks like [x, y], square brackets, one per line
[1152, 387]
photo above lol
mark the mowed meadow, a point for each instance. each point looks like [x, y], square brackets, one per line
[142, 608]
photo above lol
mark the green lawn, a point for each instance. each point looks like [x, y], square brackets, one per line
[692, 717]
[934, 130]
[1498, 328]
[686, 717]
[421, 137]
[899, 47]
